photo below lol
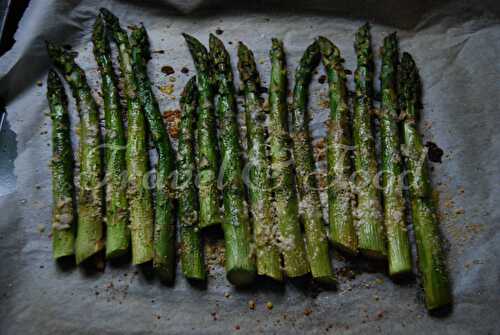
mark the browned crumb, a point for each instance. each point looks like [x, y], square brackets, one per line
[269, 305]
[251, 304]
[173, 118]
[167, 69]
[307, 311]
[322, 79]
[323, 103]
[167, 89]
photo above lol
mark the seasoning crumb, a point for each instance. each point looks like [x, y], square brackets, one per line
[167, 69]
[227, 295]
[380, 314]
[251, 304]
[39, 83]
[185, 70]
[269, 305]
[167, 89]
[307, 311]
[323, 103]
[219, 31]
[237, 327]
[322, 79]
[40, 227]
[173, 118]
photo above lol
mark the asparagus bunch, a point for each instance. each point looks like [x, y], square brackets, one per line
[316, 240]
[430, 255]
[139, 195]
[63, 213]
[117, 231]
[398, 245]
[164, 232]
[286, 205]
[191, 244]
[371, 240]
[342, 230]
[89, 236]
[260, 185]
[240, 264]
[206, 133]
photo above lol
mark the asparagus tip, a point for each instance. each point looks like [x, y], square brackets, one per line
[190, 91]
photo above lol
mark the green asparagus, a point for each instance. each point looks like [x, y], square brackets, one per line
[240, 263]
[164, 232]
[398, 245]
[209, 201]
[117, 231]
[89, 236]
[425, 222]
[370, 227]
[316, 240]
[63, 212]
[260, 186]
[342, 230]
[286, 205]
[139, 195]
[191, 243]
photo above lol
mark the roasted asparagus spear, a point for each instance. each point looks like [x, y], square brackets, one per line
[370, 227]
[63, 212]
[191, 243]
[342, 230]
[139, 195]
[164, 232]
[117, 231]
[316, 240]
[207, 138]
[398, 245]
[425, 222]
[260, 184]
[286, 205]
[240, 263]
[89, 236]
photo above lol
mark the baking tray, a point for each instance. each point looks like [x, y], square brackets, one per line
[456, 45]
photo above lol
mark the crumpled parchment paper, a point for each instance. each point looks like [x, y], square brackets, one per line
[456, 45]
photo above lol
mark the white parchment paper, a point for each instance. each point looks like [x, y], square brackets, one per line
[456, 45]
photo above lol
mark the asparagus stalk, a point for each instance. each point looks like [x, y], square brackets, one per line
[398, 245]
[286, 203]
[369, 211]
[139, 196]
[342, 230]
[316, 240]
[89, 236]
[63, 212]
[191, 244]
[117, 231]
[430, 254]
[164, 232]
[240, 263]
[260, 185]
[209, 200]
